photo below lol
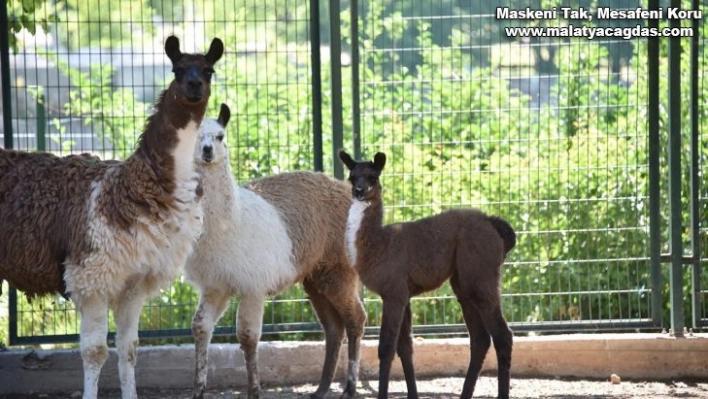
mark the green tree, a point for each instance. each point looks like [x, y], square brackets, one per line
[570, 175]
[29, 15]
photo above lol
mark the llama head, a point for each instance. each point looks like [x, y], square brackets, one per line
[192, 84]
[211, 147]
[364, 176]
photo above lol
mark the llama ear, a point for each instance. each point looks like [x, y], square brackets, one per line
[379, 161]
[216, 50]
[224, 115]
[172, 49]
[347, 159]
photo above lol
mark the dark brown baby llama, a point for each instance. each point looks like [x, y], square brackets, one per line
[399, 261]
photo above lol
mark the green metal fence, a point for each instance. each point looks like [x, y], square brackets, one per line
[587, 147]
[699, 209]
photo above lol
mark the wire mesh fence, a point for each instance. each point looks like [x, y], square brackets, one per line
[550, 133]
[474, 118]
[700, 211]
[87, 83]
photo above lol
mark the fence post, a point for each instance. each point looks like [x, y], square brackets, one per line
[316, 61]
[7, 135]
[335, 51]
[654, 172]
[5, 78]
[41, 122]
[696, 297]
[356, 106]
[675, 214]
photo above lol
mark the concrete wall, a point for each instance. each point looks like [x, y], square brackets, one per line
[632, 356]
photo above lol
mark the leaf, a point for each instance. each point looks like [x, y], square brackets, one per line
[13, 44]
[16, 24]
[28, 23]
[28, 6]
[44, 23]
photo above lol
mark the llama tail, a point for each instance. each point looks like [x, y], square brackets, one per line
[506, 232]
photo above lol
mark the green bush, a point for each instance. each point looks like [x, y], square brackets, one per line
[571, 176]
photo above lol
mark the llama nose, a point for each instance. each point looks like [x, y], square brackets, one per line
[359, 191]
[194, 84]
[208, 153]
[194, 87]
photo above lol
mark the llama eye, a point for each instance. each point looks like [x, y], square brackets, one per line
[208, 72]
[220, 137]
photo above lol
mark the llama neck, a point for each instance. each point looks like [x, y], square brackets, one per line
[216, 174]
[168, 141]
[372, 229]
[160, 175]
[219, 187]
[185, 119]
[366, 237]
[176, 112]
[183, 153]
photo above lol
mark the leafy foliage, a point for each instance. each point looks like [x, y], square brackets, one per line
[571, 176]
[570, 173]
[29, 15]
[114, 114]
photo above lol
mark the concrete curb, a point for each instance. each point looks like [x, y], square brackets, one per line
[593, 356]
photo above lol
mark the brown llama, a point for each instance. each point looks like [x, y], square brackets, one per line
[110, 234]
[402, 260]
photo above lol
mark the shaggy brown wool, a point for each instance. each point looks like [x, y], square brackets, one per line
[43, 198]
[43, 216]
[108, 233]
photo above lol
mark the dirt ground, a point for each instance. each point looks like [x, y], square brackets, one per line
[444, 388]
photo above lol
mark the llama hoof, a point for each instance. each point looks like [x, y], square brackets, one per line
[254, 393]
[349, 391]
[199, 391]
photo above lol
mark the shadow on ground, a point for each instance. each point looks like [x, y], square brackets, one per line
[439, 388]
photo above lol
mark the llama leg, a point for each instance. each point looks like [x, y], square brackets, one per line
[94, 351]
[249, 325]
[390, 328]
[342, 290]
[405, 352]
[212, 305]
[354, 319]
[334, 334]
[476, 284]
[354, 324]
[479, 345]
[127, 317]
[491, 314]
